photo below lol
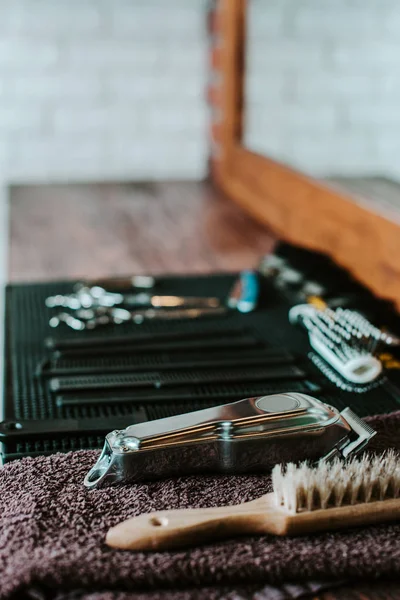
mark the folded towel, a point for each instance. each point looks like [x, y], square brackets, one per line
[52, 534]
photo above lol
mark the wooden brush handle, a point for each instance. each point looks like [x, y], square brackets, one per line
[177, 528]
[185, 527]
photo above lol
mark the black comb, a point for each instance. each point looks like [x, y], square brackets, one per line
[208, 393]
[167, 363]
[220, 343]
[158, 380]
[141, 338]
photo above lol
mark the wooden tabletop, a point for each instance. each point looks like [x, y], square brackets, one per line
[76, 231]
[73, 231]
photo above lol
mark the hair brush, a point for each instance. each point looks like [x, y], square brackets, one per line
[305, 499]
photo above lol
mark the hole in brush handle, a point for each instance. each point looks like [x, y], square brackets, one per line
[159, 521]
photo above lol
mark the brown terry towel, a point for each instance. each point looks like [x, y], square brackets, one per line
[52, 534]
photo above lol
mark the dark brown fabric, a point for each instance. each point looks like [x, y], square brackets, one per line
[254, 592]
[52, 537]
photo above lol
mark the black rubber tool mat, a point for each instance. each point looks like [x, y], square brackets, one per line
[64, 389]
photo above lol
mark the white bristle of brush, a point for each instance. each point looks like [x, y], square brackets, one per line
[306, 487]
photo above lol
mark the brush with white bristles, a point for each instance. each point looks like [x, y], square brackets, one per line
[305, 499]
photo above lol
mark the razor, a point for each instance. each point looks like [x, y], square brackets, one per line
[248, 436]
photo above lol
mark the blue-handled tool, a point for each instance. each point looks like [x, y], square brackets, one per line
[245, 292]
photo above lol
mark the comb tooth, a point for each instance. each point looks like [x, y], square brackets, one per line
[362, 423]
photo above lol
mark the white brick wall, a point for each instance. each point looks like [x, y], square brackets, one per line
[103, 89]
[323, 84]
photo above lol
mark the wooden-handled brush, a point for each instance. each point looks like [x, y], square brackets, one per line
[305, 500]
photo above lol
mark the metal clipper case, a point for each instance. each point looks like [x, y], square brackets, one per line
[248, 436]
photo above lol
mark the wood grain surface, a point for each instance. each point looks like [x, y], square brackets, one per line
[73, 231]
